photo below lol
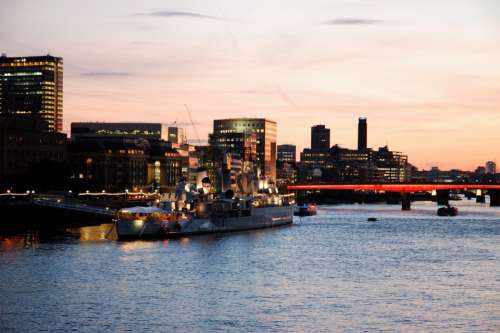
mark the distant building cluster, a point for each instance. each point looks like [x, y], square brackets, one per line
[120, 156]
[482, 174]
[322, 163]
[242, 153]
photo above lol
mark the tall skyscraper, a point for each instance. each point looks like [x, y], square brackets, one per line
[362, 134]
[287, 153]
[320, 138]
[266, 134]
[33, 86]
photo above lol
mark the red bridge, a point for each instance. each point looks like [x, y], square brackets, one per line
[442, 190]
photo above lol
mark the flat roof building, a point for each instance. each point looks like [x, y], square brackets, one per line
[320, 138]
[33, 86]
[266, 133]
[287, 153]
[149, 131]
[24, 141]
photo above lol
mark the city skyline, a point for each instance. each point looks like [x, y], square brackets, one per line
[425, 76]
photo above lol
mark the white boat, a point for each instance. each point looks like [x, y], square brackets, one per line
[223, 215]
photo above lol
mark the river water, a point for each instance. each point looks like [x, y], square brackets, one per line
[409, 271]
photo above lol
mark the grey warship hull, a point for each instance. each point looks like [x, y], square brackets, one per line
[259, 218]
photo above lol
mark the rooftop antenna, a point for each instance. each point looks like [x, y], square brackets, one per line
[192, 123]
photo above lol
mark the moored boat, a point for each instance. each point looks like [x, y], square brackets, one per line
[447, 211]
[305, 210]
[223, 215]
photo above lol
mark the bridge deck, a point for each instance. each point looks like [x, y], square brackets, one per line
[401, 188]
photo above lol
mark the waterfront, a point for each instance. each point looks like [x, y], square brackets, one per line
[332, 272]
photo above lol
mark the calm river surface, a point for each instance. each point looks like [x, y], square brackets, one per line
[409, 271]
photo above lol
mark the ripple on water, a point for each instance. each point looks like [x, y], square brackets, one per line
[332, 272]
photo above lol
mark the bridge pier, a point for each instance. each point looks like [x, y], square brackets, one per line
[405, 201]
[480, 197]
[494, 198]
[442, 197]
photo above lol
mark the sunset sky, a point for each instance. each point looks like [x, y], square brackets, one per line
[426, 73]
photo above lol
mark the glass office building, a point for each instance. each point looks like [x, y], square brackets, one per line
[33, 86]
[266, 135]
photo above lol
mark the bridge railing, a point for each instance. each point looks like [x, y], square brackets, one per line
[73, 206]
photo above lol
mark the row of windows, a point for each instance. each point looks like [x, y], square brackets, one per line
[237, 124]
[21, 74]
[25, 63]
[125, 132]
[23, 83]
[126, 151]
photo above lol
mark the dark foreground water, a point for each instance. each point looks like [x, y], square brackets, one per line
[410, 271]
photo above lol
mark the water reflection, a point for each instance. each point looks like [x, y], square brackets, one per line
[12, 243]
[95, 233]
[130, 247]
[330, 272]
[22, 239]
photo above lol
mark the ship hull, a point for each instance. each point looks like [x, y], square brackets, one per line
[260, 218]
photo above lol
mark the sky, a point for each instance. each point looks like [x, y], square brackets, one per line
[425, 73]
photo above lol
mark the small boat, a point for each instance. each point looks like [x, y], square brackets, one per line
[372, 219]
[447, 211]
[305, 210]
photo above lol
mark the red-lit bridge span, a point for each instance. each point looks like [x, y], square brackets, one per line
[441, 189]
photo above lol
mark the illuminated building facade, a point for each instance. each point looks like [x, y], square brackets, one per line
[33, 86]
[313, 159]
[111, 164]
[176, 135]
[390, 166]
[225, 134]
[287, 153]
[164, 167]
[148, 131]
[286, 171]
[353, 165]
[243, 144]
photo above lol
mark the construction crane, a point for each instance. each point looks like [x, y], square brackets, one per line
[192, 124]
